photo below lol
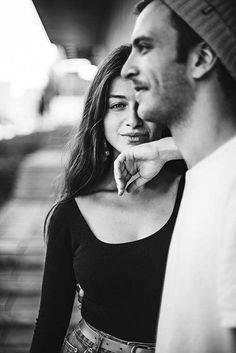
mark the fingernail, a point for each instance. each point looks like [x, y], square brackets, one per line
[120, 192]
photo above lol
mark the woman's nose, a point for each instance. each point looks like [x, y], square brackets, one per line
[133, 119]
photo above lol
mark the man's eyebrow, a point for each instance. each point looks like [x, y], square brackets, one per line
[140, 39]
[117, 96]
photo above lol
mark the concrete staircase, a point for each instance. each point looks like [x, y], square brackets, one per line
[22, 249]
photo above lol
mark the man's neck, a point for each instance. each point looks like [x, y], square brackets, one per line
[209, 125]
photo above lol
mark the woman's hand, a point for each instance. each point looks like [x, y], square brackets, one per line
[143, 161]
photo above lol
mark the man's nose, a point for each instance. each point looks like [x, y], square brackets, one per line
[129, 69]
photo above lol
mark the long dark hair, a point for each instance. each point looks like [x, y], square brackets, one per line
[88, 162]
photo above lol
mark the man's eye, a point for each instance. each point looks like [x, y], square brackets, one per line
[143, 48]
[118, 106]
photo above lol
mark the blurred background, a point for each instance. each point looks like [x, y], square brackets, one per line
[49, 52]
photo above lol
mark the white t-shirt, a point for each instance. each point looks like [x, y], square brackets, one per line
[199, 295]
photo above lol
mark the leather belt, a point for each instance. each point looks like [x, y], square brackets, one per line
[115, 346]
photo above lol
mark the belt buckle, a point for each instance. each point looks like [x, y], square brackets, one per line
[142, 346]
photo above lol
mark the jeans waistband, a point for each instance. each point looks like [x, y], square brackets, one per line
[114, 345]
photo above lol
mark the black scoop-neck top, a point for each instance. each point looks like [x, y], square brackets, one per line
[122, 283]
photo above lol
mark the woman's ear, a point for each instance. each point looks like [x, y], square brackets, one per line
[203, 60]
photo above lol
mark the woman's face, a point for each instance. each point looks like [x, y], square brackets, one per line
[122, 126]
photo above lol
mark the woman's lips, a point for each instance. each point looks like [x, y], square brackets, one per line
[135, 138]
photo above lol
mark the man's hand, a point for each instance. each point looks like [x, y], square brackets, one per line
[80, 294]
[143, 161]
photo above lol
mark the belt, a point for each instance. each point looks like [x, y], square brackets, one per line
[115, 346]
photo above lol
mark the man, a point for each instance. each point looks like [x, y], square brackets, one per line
[183, 68]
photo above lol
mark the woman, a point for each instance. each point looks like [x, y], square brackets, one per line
[114, 248]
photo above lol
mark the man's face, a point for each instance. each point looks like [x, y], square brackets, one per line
[162, 87]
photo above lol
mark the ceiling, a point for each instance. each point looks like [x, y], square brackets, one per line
[77, 25]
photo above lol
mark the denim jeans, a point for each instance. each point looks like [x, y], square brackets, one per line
[76, 342]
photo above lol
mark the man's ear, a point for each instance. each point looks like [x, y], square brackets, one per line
[202, 59]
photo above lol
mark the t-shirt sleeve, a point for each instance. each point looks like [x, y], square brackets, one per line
[58, 288]
[227, 277]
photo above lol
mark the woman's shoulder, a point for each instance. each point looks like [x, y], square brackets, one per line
[61, 211]
[58, 225]
[63, 207]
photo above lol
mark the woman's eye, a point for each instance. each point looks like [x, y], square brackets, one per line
[118, 106]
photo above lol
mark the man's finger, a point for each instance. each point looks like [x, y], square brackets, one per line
[121, 174]
[119, 165]
[122, 182]
[136, 184]
[118, 174]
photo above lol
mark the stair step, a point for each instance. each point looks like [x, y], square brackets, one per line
[22, 250]
[38, 176]
[23, 221]
[20, 283]
[23, 311]
[18, 310]
[21, 261]
[16, 335]
[16, 339]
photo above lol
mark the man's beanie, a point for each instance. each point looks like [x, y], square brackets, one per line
[215, 22]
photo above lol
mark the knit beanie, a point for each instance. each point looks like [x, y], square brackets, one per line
[215, 22]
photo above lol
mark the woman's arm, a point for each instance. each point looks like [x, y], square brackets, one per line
[58, 289]
[145, 161]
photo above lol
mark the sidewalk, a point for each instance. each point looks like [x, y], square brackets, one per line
[22, 248]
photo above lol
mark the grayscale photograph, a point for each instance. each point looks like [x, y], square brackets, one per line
[118, 176]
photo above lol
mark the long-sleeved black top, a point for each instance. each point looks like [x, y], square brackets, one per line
[122, 283]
